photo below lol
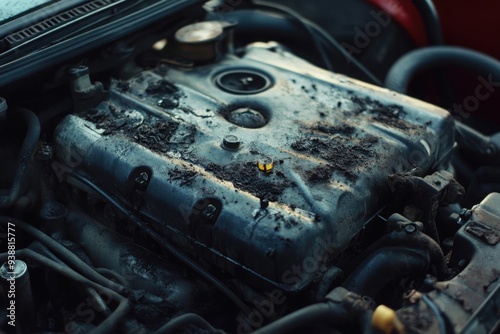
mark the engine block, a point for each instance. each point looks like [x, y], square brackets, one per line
[255, 164]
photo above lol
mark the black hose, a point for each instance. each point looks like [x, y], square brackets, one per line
[65, 254]
[174, 325]
[163, 242]
[407, 67]
[385, 266]
[322, 313]
[41, 249]
[27, 149]
[346, 315]
[434, 33]
[111, 274]
[478, 144]
[430, 18]
[111, 323]
[418, 61]
[108, 325]
[419, 242]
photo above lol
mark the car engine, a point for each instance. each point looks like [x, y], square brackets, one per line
[231, 167]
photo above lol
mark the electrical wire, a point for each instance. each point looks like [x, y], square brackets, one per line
[107, 326]
[41, 249]
[163, 242]
[65, 254]
[303, 318]
[302, 22]
[111, 274]
[342, 316]
[174, 325]
[319, 35]
[333, 44]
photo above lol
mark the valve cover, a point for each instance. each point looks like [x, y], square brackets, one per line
[255, 164]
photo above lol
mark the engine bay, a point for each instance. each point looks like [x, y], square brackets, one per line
[194, 176]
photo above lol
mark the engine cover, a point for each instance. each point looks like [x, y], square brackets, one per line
[191, 150]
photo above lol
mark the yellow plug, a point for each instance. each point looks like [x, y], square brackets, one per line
[266, 164]
[386, 320]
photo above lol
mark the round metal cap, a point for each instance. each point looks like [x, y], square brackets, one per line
[18, 269]
[200, 32]
[231, 142]
[243, 82]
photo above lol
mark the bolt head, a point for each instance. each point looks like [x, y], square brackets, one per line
[410, 229]
[490, 151]
[78, 72]
[210, 211]
[142, 180]
[231, 142]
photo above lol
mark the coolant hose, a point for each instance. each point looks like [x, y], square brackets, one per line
[384, 266]
[10, 196]
[407, 67]
[488, 69]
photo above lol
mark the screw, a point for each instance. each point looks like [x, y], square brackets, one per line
[231, 142]
[410, 229]
[490, 151]
[78, 72]
[142, 180]
[210, 211]
[465, 215]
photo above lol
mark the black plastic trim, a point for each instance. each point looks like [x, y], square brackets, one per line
[66, 49]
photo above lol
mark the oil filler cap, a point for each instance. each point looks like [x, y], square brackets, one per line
[204, 41]
[243, 81]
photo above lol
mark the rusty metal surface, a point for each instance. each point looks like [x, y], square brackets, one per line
[470, 300]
